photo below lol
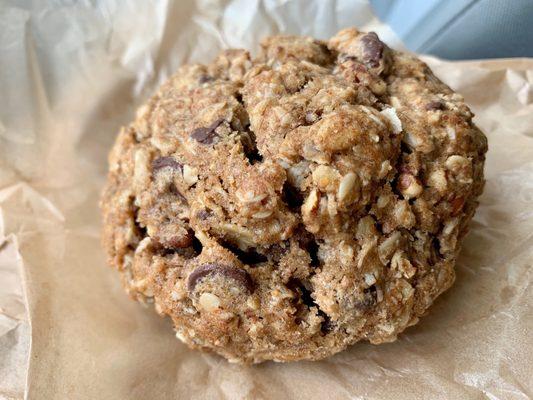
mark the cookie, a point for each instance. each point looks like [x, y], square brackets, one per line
[286, 206]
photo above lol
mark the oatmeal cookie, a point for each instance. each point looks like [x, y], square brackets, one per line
[286, 206]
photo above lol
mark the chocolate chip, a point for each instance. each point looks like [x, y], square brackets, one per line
[205, 78]
[238, 275]
[372, 49]
[203, 214]
[206, 135]
[434, 105]
[164, 162]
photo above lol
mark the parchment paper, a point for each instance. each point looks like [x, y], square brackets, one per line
[72, 72]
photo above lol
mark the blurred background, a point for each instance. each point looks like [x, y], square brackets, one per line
[461, 29]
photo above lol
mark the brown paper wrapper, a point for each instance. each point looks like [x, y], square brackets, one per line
[74, 74]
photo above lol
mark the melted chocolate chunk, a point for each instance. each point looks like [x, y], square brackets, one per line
[206, 135]
[434, 105]
[164, 162]
[203, 214]
[205, 78]
[238, 275]
[372, 49]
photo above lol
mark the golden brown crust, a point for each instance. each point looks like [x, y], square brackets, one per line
[287, 206]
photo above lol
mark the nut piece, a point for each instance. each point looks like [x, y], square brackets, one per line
[384, 169]
[461, 167]
[457, 205]
[383, 200]
[455, 163]
[250, 196]
[403, 215]
[325, 177]
[401, 263]
[178, 241]
[389, 246]
[253, 302]
[311, 152]
[437, 180]
[190, 175]
[409, 186]
[348, 188]
[366, 229]
[209, 302]
[310, 203]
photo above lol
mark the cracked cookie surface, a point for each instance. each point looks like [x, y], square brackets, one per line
[286, 206]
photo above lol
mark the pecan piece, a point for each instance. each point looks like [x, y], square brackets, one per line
[457, 205]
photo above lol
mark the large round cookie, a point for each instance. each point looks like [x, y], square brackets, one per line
[287, 206]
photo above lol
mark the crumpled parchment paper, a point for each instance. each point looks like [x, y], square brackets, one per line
[72, 72]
